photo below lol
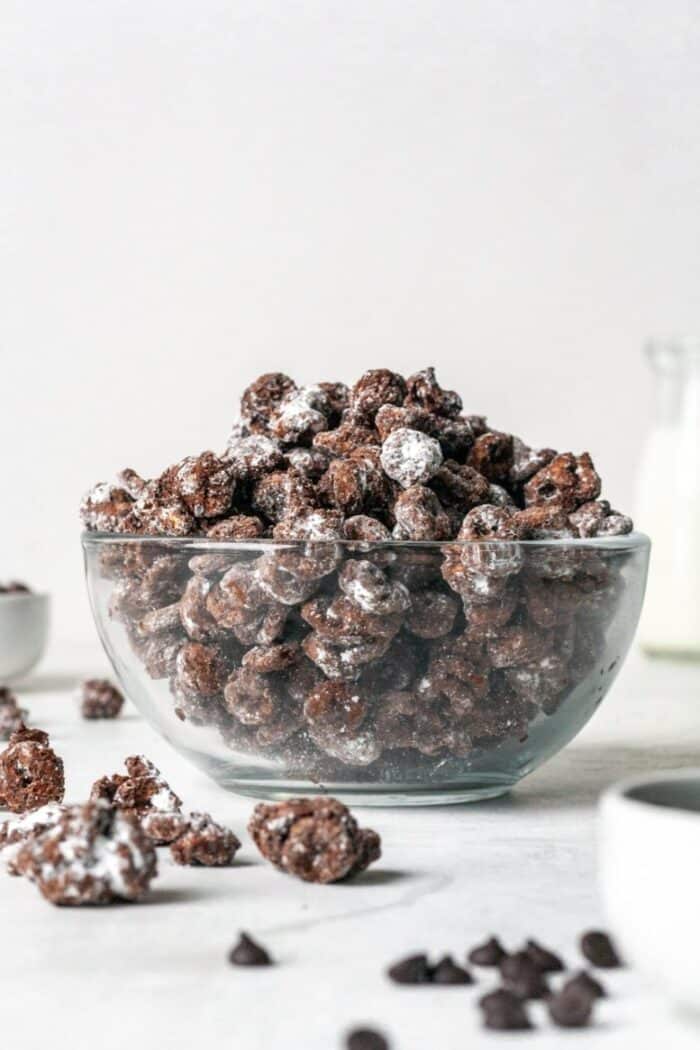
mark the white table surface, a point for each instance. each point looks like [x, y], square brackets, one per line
[156, 974]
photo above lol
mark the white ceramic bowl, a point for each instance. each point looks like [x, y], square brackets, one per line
[650, 867]
[24, 630]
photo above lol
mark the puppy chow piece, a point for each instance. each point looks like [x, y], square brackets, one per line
[204, 843]
[100, 699]
[367, 585]
[14, 833]
[262, 398]
[567, 482]
[432, 613]
[355, 483]
[481, 555]
[312, 463]
[346, 438]
[237, 527]
[598, 519]
[200, 669]
[31, 773]
[252, 698]
[366, 529]
[204, 483]
[141, 791]
[163, 827]
[253, 456]
[410, 456]
[300, 414]
[460, 486]
[375, 388]
[420, 516]
[394, 417]
[282, 494]
[106, 507]
[315, 839]
[92, 854]
[492, 456]
[423, 389]
[528, 461]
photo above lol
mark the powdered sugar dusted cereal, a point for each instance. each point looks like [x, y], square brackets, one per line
[204, 843]
[91, 854]
[369, 585]
[410, 457]
[316, 839]
[14, 833]
[100, 699]
[141, 791]
[31, 773]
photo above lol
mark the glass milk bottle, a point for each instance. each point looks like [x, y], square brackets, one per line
[668, 502]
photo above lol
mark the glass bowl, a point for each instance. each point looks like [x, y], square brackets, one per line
[382, 673]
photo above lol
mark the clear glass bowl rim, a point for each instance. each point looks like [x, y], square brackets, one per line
[629, 542]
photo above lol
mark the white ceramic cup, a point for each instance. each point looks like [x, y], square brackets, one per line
[24, 631]
[650, 877]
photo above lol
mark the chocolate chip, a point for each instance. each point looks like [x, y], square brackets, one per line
[583, 981]
[489, 953]
[503, 1011]
[527, 981]
[248, 953]
[571, 1008]
[447, 972]
[365, 1039]
[543, 959]
[597, 947]
[413, 970]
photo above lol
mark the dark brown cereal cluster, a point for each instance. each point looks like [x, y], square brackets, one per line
[12, 716]
[90, 854]
[100, 699]
[14, 833]
[143, 793]
[204, 843]
[31, 773]
[315, 839]
[140, 792]
[328, 639]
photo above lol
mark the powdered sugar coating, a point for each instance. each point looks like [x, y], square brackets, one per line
[204, 843]
[14, 833]
[92, 854]
[410, 456]
[254, 455]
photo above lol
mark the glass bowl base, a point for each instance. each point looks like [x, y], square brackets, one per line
[475, 788]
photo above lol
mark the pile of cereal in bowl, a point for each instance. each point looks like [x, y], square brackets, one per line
[359, 593]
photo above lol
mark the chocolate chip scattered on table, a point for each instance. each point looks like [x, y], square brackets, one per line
[247, 952]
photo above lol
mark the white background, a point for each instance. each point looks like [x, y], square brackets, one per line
[194, 192]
